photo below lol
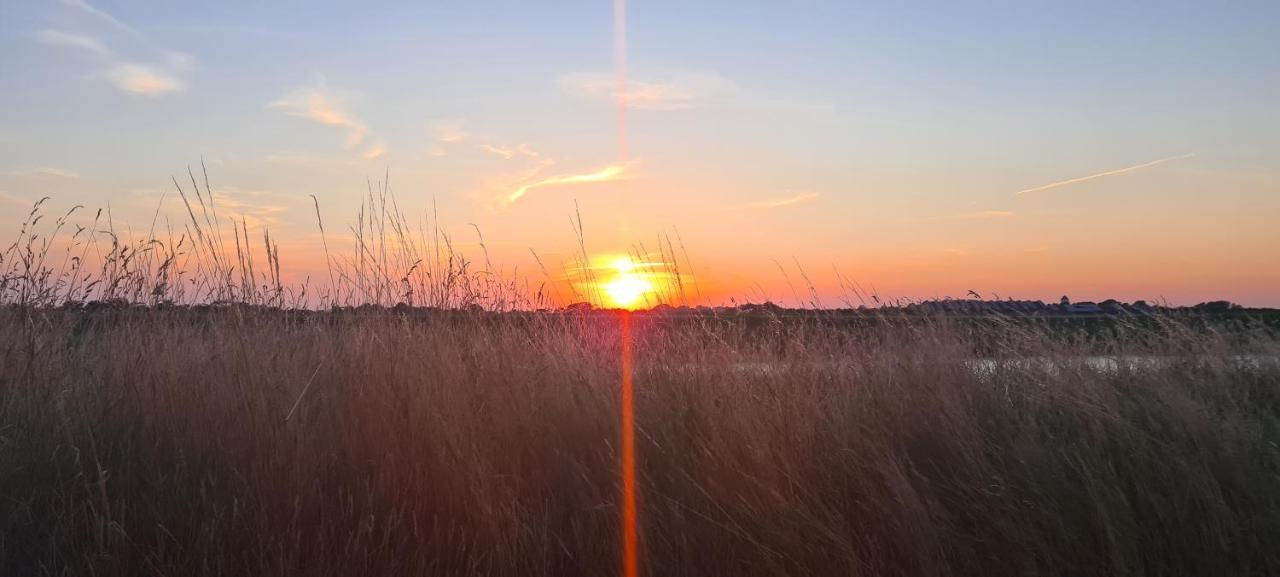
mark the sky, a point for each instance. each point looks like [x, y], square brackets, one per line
[922, 150]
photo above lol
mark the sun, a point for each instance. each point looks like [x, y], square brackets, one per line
[627, 291]
[627, 288]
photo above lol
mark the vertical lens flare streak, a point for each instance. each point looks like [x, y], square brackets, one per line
[620, 101]
[630, 536]
[620, 73]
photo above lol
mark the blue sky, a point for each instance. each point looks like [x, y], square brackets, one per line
[887, 141]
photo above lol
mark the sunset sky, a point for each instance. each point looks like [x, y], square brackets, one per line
[1023, 149]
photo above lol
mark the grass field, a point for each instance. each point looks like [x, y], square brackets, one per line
[246, 441]
[249, 438]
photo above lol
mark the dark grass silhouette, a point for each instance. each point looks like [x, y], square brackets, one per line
[249, 438]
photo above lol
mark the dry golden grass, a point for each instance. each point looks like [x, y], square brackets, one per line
[163, 442]
[243, 439]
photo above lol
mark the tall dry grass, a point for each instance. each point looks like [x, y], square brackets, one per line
[251, 438]
[205, 259]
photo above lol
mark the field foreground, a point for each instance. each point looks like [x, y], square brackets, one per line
[248, 441]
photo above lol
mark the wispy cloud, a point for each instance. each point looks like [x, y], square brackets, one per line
[606, 174]
[255, 207]
[142, 80]
[61, 39]
[637, 94]
[656, 96]
[674, 90]
[122, 72]
[979, 215]
[680, 91]
[790, 200]
[88, 8]
[1105, 174]
[522, 169]
[506, 153]
[321, 105]
[445, 135]
[46, 171]
[376, 152]
[451, 132]
[509, 153]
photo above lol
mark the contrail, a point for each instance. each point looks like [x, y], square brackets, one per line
[1115, 172]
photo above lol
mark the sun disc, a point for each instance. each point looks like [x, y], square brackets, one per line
[627, 290]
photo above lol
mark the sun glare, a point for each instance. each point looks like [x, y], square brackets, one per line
[627, 291]
[629, 286]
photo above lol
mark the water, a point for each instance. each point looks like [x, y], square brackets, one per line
[1122, 363]
[1109, 364]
